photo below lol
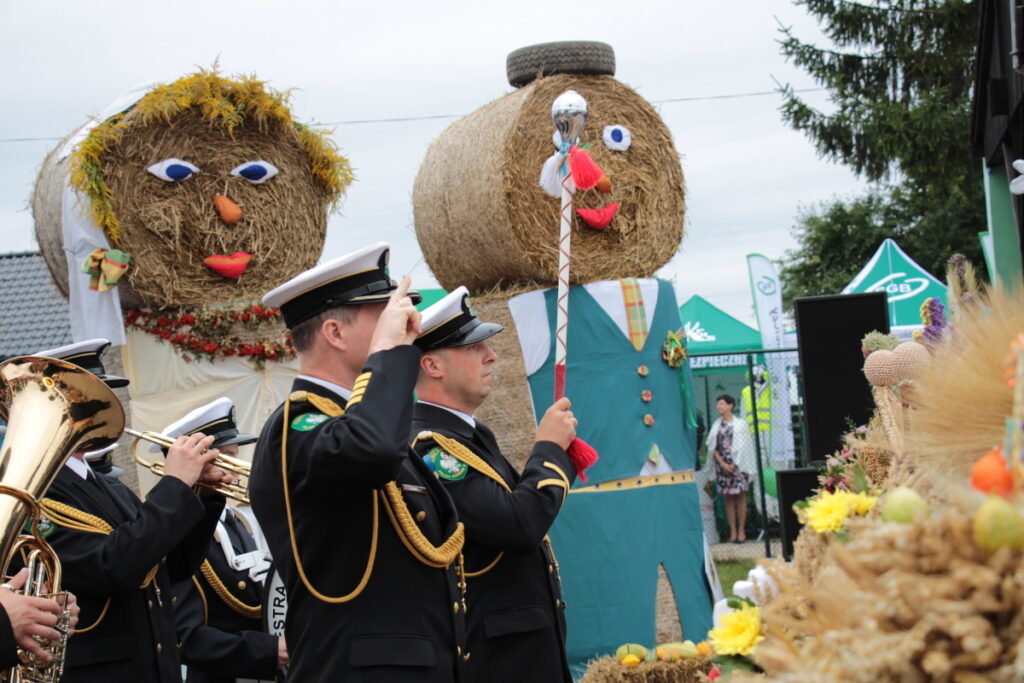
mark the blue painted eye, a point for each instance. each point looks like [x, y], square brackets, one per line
[617, 137]
[172, 170]
[255, 172]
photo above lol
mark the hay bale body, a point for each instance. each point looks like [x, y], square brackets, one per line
[508, 410]
[483, 221]
[608, 670]
[168, 228]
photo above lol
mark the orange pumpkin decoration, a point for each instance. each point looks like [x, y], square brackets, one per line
[990, 474]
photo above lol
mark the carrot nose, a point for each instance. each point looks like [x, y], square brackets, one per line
[228, 211]
[604, 185]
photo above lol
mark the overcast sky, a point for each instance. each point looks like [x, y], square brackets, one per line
[747, 174]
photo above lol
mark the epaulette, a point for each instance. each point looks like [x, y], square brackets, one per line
[324, 405]
[462, 453]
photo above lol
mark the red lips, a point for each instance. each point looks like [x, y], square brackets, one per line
[230, 266]
[599, 219]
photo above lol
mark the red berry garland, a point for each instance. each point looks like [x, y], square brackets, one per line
[210, 333]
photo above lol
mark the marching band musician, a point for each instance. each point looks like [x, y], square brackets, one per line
[218, 610]
[364, 537]
[120, 554]
[516, 621]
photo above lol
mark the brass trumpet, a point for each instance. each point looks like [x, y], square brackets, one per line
[238, 491]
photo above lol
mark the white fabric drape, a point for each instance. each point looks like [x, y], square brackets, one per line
[164, 387]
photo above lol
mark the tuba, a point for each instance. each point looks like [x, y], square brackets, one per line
[53, 409]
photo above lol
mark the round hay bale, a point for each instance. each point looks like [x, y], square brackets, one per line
[218, 125]
[608, 670]
[483, 221]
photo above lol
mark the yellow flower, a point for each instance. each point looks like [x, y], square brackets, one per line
[828, 511]
[739, 633]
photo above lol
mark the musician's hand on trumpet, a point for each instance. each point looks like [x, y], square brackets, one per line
[189, 459]
[29, 616]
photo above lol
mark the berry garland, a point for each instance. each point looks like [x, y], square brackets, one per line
[210, 333]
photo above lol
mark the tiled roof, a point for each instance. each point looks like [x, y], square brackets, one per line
[33, 313]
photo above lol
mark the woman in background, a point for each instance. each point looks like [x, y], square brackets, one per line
[723, 442]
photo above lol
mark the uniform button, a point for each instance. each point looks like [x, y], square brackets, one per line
[150, 604]
[646, 396]
[241, 585]
[458, 650]
[551, 569]
[421, 515]
[159, 648]
[466, 656]
[648, 419]
[642, 371]
[455, 606]
[179, 646]
[174, 599]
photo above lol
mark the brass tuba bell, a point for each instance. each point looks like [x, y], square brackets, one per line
[53, 409]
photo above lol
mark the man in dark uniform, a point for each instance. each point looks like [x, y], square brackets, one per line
[119, 554]
[515, 625]
[363, 535]
[219, 609]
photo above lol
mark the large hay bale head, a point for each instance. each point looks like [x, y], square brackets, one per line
[483, 220]
[151, 178]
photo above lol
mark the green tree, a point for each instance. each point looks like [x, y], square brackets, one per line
[899, 76]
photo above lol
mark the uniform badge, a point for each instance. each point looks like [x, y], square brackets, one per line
[308, 421]
[446, 465]
[46, 527]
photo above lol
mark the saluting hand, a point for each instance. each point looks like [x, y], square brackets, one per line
[29, 616]
[558, 424]
[399, 322]
[188, 457]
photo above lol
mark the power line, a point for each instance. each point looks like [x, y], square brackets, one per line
[431, 117]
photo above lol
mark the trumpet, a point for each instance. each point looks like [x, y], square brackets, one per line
[238, 491]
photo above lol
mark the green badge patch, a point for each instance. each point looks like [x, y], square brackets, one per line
[46, 527]
[446, 465]
[308, 421]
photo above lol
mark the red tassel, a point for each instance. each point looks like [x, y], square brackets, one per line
[585, 173]
[582, 455]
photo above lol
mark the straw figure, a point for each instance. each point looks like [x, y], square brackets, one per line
[488, 206]
[208, 183]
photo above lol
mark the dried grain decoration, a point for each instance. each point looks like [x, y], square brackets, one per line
[961, 399]
[483, 221]
[900, 602]
[608, 670]
[216, 124]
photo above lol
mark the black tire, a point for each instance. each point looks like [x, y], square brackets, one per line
[568, 57]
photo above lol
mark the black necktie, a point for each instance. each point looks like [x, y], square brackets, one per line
[241, 541]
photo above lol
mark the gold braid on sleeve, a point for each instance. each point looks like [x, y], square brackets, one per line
[239, 607]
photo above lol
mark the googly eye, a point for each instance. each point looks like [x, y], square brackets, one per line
[617, 137]
[255, 172]
[173, 170]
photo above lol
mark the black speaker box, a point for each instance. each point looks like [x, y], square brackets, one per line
[792, 486]
[829, 330]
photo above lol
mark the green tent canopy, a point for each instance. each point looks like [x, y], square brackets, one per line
[709, 329]
[907, 285]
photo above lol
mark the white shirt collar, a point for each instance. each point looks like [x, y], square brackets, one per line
[78, 466]
[465, 417]
[336, 388]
